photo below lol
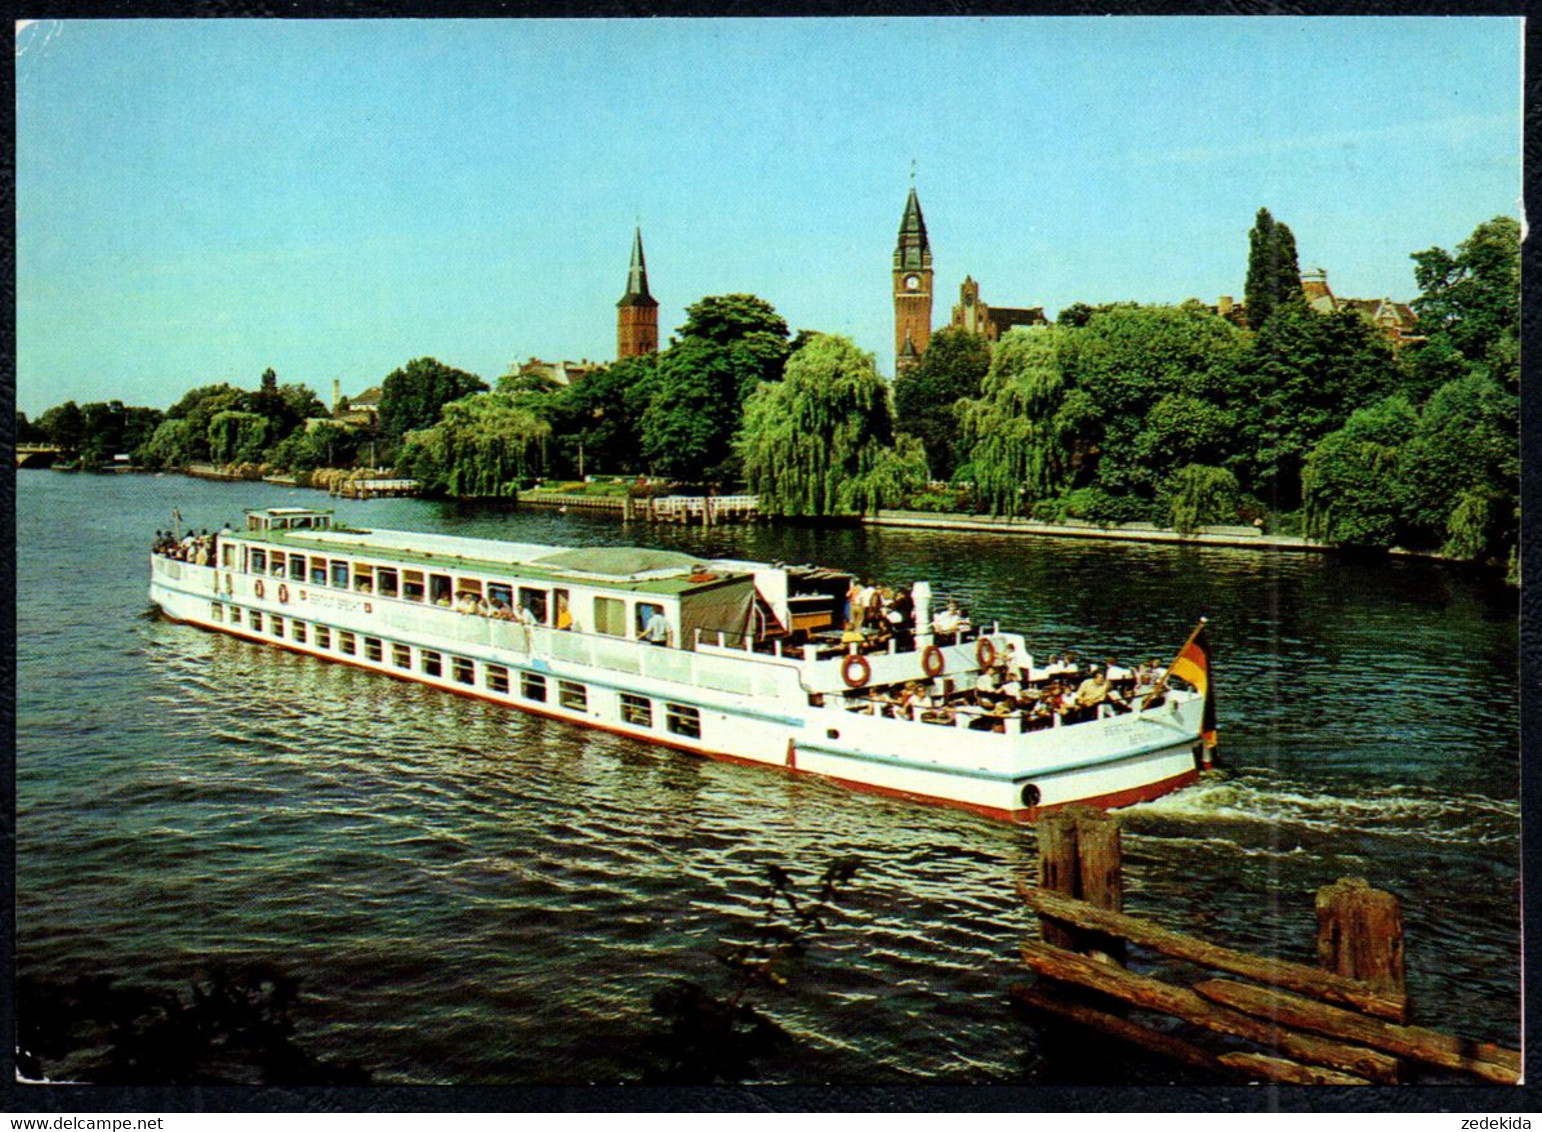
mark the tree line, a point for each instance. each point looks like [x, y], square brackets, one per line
[1306, 421]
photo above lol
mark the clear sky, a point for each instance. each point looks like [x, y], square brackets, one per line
[198, 200]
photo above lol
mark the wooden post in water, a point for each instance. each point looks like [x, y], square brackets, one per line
[1360, 934]
[1079, 856]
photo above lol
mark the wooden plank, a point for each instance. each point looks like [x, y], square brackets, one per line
[1153, 1041]
[1153, 994]
[1276, 972]
[1262, 1067]
[1490, 1062]
[1360, 934]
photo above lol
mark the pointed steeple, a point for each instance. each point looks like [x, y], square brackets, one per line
[913, 252]
[637, 278]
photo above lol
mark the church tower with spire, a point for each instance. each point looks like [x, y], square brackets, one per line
[912, 288]
[637, 314]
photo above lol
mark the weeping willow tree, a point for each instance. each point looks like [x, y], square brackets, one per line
[1200, 495]
[821, 441]
[1026, 431]
[482, 446]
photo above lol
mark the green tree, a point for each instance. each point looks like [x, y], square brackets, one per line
[171, 445]
[821, 441]
[237, 437]
[26, 431]
[1352, 482]
[308, 447]
[747, 325]
[1274, 275]
[482, 447]
[600, 417]
[926, 397]
[1199, 496]
[1470, 301]
[413, 397]
[64, 426]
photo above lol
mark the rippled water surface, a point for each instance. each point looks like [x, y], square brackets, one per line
[469, 894]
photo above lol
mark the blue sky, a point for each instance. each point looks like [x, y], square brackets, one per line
[199, 200]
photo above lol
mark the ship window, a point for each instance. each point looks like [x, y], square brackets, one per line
[257, 620]
[259, 560]
[372, 649]
[318, 571]
[468, 586]
[574, 697]
[463, 670]
[497, 591]
[532, 687]
[339, 574]
[564, 613]
[683, 720]
[297, 628]
[276, 564]
[363, 577]
[323, 637]
[401, 656]
[235, 615]
[412, 585]
[385, 581]
[497, 677]
[610, 616]
[645, 610]
[346, 643]
[277, 625]
[535, 601]
[636, 710]
[439, 589]
[432, 665]
[216, 611]
[229, 553]
[297, 567]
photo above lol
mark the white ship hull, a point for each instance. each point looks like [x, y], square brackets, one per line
[748, 707]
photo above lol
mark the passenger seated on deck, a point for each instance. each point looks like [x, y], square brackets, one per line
[1116, 673]
[946, 624]
[466, 603]
[1092, 692]
[852, 634]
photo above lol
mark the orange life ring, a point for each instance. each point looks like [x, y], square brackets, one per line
[985, 652]
[283, 593]
[257, 587]
[932, 662]
[855, 670]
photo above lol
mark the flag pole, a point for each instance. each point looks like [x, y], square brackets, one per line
[1167, 672]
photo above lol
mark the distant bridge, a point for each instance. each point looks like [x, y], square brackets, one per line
[37, 455]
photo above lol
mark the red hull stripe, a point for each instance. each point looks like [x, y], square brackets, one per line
[1104, 801]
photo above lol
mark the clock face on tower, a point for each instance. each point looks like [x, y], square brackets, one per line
[912, 282]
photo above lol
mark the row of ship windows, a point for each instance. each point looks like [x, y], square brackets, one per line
[679, 719]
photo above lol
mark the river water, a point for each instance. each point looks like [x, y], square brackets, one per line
[469, 894]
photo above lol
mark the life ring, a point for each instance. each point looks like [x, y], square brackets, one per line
[257, 587]
[932, 662]
[985, 652]
[283, 593]
[855, 670]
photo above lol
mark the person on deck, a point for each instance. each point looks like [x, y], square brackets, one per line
[657, 630]
[1092, 692]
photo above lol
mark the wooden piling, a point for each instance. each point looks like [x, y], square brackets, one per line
[1079, 856]
[1360, 934]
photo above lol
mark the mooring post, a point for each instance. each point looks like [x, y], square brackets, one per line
[1079, 856]
[1360, 933]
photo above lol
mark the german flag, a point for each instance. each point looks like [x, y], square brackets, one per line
[1193, 665]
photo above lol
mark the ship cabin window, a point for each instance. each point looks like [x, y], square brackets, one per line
[472, 586]
[216, 611]
[318, 571]
[636, 710]
[235, 615]
[498, 592]
[534, 602]
[532, 687]
[564, 611]
[610, 616]
[401, 656]
[297, 567]
[412, 585]
[346, 643]
[276, 564]
[277, 625]
[259, 561]
[439, 589]
[683, 720]
[297, 628]
[497, 677]
[574, 697]
[256, 620]
[432, 665]
[323, 637]
[385, 581]
[363, 578]
[228, 554]
[463, 670]
[372, 649]
[339, 574]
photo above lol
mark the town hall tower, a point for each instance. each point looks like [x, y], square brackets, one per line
[912, 288]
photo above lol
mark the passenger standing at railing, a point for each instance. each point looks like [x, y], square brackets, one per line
[657, 631]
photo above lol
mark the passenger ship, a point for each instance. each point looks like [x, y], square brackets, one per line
[752, 669]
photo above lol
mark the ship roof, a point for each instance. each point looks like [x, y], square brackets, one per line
[622, 567]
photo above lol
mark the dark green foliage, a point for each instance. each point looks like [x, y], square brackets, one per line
[412, 397]
[236, 437]
[1351, 484]
[170, 446]
[234, 1029]
[63, 426]
[1471, 301]
[717, 1036]
[482, 448]
[1200, 496]
[926, 397]
[1274, 274]
[308, 447]
[26, 431]
[821, 441]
